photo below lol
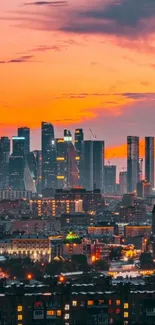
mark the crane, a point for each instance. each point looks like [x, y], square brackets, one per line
[94, 136]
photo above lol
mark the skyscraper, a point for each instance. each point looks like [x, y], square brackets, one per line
[61, 162]
[123, 181]
[110, 179]
[87, 165]
[16, 173]
[18, 146]
[149, 160]
[4, 162]
[98, 164]
[48, 156]
[78, 142]
[132, 163]
[72, 172]
[25, 133]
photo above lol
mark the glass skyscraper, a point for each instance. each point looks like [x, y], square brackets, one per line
[98, 164]
[132, 163]
[4, 162]
[149, 160]
[25, 133]
[48, 156]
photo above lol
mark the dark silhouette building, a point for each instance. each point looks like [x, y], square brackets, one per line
[25, 133]
[149, 160]
[4, 162]
[18, 146]
[48, 156]
[132, 163]
[87, 165]
[78, 142]
[98, 164]
[110, 179]
[16, 173]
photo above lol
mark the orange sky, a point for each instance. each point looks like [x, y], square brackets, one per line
[97, 78]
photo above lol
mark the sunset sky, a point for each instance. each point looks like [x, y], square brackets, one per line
[79, 63]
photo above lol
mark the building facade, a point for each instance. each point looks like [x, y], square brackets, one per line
[48, 156]
[132, 163]
[149, 160]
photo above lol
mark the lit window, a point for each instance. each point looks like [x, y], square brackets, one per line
[90, 302]
[126, 305]
[74, 303]
[51, 312]
[20, 324]
[126, 314]
[66, 316]
[118, 302]
[101, 302]
[110, 302]
[20, 308]
[118, 311]
[67, 307]
[58, 312]
[20, 317]
[126, 322]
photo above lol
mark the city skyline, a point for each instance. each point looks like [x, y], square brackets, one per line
[69, 77]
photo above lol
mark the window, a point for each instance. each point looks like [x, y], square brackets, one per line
[110, 302]
[126, 314]
[67, 307]
[101, 302]
[58, 312]
[126, 305]
[20, 317]
[51, 312]
[126, 322]
[118, 311]
[66, 316]
[19, 308]
[90, 302]
[118, 302]
[74, 303]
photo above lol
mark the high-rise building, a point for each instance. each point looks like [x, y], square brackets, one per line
[61, 162]
[132, 163]
[149, 160]
[140, 169]
[87, 165]
[98, 164]
[143, 189]
[123, 181]
[25, 133]
[4, 162]
[153, 229]
[18, 146]
[16, 173]
[78, 142]
[48, 156]
[72, 172]
[110, 179]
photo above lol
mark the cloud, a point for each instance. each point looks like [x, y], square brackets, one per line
[21, 59]
[46, 3]
[139, 96]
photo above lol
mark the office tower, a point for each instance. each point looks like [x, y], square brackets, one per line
[34, 164]
[149, 160]
[143, 189]
[38, 168]
[16, 173]
[61, 162]
[98, 164]
[72, 173]
[78, 142]
[87, 165]
[25, 133]
[4, 162]
[132, 163]
[48, 156]
[123, 181]
[18, 146]
[110, 179]
[140, 169]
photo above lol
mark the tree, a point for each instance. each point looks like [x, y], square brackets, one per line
[115, 253]
[101, 265]
[146, 261]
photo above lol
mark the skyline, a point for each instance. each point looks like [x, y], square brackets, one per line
[94, 77]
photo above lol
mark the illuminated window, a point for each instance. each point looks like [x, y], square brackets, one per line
[101, 302]
[126, 314]
[66, 316]
[51, 312]
[67, 307]
[90, 302]
[20, 317]
[126, 305]
[126, 322]
[20, 308]
[74, 303]
[58, 312]
[118, 302]
[118, 311]
[110, 302]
